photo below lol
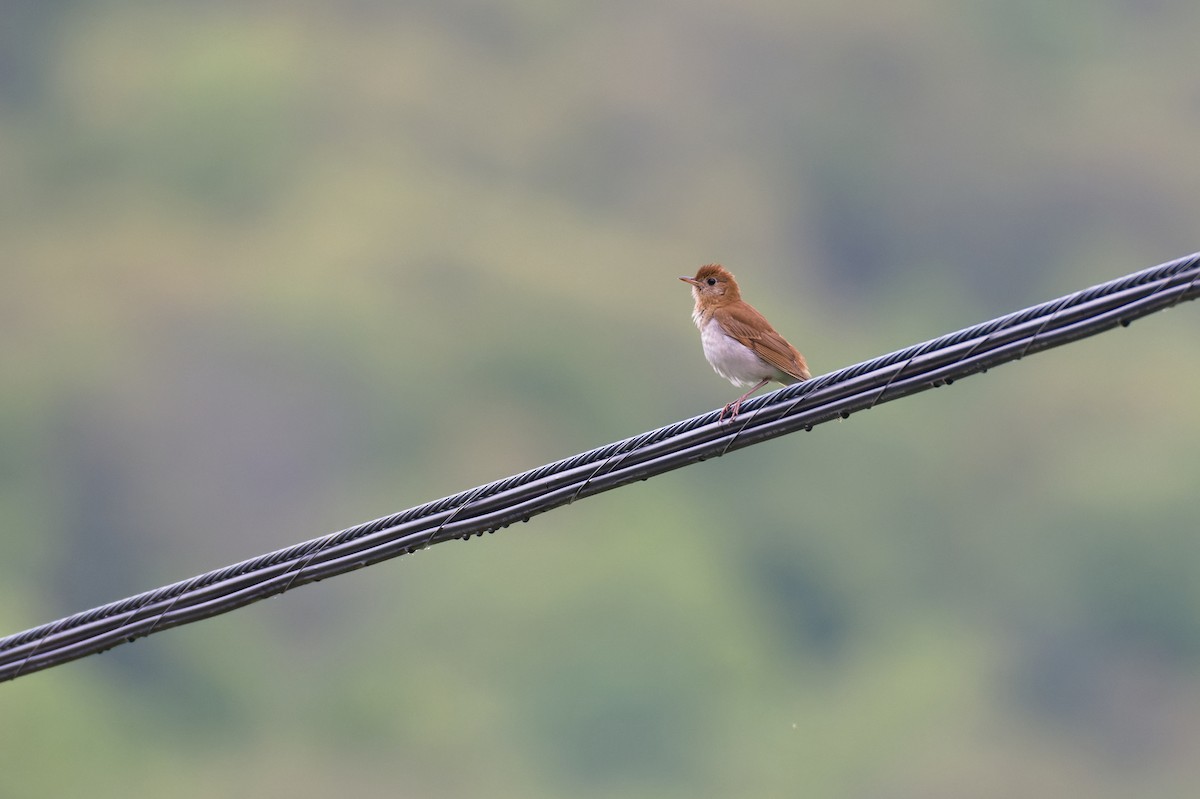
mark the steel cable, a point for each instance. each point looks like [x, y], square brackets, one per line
[493, 506]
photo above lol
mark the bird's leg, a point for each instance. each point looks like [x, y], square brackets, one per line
[735, 406]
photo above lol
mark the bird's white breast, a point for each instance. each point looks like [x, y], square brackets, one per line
[731, 359]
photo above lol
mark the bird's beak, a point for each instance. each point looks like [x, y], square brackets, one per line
[691, 280]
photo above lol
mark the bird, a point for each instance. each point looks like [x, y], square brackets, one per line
[739, 342]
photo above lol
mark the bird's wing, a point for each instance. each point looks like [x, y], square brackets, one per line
[744, 323]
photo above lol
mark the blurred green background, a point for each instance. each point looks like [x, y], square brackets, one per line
[272, 269]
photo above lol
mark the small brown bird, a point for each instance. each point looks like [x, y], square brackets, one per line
[739, 342]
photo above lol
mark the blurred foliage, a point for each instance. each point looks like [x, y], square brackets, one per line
[270, 270]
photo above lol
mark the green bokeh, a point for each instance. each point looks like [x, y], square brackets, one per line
[271, 270]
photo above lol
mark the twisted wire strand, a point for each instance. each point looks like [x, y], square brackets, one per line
[496, 505]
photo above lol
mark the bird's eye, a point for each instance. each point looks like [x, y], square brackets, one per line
[712, 281]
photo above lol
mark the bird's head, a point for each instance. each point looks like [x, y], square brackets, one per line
[713, 285]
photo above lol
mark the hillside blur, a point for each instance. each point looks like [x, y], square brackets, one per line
[272, 269]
